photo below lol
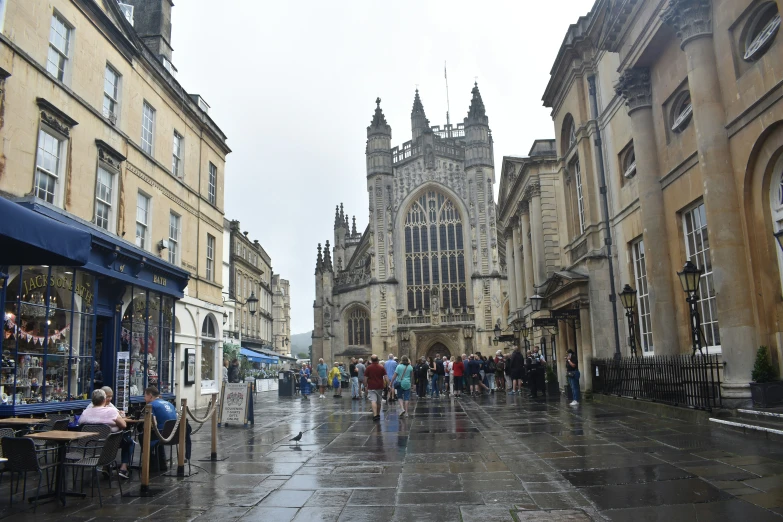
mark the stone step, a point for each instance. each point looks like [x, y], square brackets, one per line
[756, 426]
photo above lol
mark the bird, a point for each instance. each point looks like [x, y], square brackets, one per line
[297, 438]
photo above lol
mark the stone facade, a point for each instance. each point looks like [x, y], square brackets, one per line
[250, 274]
[424, 276]
[58, 90]
[691, 154]
[281, 313]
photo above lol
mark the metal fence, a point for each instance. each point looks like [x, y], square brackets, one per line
[679, 380]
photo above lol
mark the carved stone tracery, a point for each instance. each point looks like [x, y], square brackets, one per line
[690, 18]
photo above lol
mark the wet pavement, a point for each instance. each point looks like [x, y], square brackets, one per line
[494, 458]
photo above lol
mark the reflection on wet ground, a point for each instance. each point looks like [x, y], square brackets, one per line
[486, 459]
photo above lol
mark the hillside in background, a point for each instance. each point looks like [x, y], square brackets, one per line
[301, 343]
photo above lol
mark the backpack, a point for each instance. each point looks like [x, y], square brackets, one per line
[490, 367]
[500, 366]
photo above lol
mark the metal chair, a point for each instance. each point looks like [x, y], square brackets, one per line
[107, 457]
[80, 448]
[4, 432]
[23, 458]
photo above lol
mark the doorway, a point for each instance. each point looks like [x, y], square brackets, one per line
[104, 350]
[438, 349]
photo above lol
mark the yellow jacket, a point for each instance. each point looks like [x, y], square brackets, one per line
[334, 372]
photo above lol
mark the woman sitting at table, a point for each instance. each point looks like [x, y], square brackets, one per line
[103, 412]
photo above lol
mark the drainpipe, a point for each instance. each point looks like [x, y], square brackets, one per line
[605, 208]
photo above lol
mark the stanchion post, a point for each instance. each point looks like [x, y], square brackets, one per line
[213, 456]
[145, 450]
[183, 428]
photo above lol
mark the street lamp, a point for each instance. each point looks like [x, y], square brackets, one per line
[628, 298]
[535, 302]
[690, 277]
[252, 303]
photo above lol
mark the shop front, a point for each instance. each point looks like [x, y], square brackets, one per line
[72, 323]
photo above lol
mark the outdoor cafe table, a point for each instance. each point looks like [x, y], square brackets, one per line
[16, 421]
[62, 438]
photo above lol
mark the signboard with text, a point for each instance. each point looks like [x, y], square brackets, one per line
[234, 403]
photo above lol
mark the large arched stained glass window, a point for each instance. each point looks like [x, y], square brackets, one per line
[358, 327]
[434, 254]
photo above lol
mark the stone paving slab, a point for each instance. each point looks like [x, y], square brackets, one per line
[493, 458]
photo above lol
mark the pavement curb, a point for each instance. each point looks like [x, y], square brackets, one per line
[654, 408]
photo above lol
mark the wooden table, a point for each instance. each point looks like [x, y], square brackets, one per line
[16, 421]
[62, 439]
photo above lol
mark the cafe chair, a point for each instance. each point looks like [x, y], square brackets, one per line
[79, 449]
[4, 432]
[107, 458]
[167, 429]
[23, 458]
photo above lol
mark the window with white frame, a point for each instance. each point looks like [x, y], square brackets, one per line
[642, 298]
[174, 235]
[697, 246]
[49, 164]
[176, 157]
[104, 198]
[59, 47]
[111, 94]
[580, 201]
[147, 128]
[142, 220]
[210, 258]
[212, 189]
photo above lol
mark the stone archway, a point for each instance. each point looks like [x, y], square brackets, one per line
[438, 348]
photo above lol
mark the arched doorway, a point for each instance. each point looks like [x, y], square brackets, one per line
[438, 349]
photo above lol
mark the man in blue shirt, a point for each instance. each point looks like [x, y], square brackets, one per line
[390, 366]
[163, 411]
[321, 370]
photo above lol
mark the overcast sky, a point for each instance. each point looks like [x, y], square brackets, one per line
[293, 85]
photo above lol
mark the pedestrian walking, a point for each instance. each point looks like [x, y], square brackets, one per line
[354, 379]
[535, 365]
[360, 367]
[459, 372]
[390, 366]
[451, 374]
[233, 371]
[489, 371]
[402, 376]
[376, 380]
[321, 372]
[422, 369]
[441, 371]
[304, 381]
[516, 369]
[434, 390]
[500, 374]
[573, 375]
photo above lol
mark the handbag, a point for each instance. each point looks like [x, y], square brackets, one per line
[571, 374]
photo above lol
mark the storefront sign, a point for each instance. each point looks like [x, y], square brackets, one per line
[565, 314]
[234, 402]
[41, 281]
[160, 280]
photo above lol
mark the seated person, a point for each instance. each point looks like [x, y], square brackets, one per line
[163, 411]
[109, 396]
[103, 412]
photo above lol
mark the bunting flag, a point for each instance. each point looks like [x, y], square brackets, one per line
[14, 330]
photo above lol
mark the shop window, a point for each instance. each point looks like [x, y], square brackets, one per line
[697, 246]
[761, 31]
[208, 350]
[147, 334]
[682, 111]
[48, 331]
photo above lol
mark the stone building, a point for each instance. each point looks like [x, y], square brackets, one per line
[250, 273]
[423, 278]
[691, 154]
[281, 314]
[96, 126]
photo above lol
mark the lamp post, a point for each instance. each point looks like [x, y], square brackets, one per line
[690, 277]
[252, 307]
[628, 299]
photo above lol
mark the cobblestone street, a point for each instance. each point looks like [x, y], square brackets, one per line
[492, 458]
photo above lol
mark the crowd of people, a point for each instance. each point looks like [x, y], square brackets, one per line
[468, 375]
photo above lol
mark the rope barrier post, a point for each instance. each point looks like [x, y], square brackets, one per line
[213, 456]
[145, 450]
[183, 428]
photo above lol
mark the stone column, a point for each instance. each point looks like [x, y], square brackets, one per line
[528, 250]
[519, 274]
[635, 87]
[537, 234]
[585, 353]
[693, 21]
[511, 269]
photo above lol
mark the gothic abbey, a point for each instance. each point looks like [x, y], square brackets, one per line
[424, 277]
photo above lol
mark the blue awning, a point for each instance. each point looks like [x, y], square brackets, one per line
[254, 356]
[28, 238]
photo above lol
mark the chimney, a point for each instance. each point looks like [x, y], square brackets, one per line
[152, 21]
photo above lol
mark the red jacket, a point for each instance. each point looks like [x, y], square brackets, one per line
[459, 368]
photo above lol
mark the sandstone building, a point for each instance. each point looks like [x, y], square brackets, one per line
[98, 132]
[424, 276]
[676, 103]
[281, 314]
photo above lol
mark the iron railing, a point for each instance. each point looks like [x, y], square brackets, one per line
[679, 380]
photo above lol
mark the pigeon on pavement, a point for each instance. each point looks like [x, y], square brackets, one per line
[297, 438]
